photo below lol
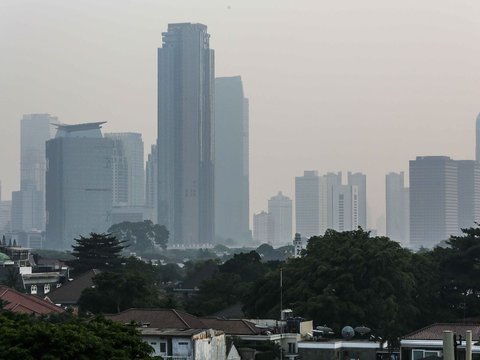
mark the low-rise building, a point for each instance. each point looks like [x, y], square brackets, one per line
[25, 303]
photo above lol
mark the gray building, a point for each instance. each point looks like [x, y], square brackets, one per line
[345, 213]
[263, 231]
[477, 143]
[332, 180]
[311, 204]
[231, 160]
[79, 184]
[397, 207]
[128, 169]
[185, 134]
[28, 204]
[360, 181]
[468, 193]
[433, 200]
[280, 210]
[151, 185]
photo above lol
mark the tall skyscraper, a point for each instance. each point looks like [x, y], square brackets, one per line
[433, 200]
[5, 213]
[477, 143]
[151, 185]
[280, 209]
[397, 208]
[231, 160]
[311, 204]
[468, 193]
[128, 169]
[360, 181]
[28, 204]
[332, 181]
[263, 231]
[79, 184]
[185, 134]
[345, 213]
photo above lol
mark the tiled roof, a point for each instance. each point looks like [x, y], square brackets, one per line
[26, 303]
[231, 326]
[159, 318]
[173, 319]
[70, 292]
[435, 331]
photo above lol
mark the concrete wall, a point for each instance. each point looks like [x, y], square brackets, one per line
[208, 348]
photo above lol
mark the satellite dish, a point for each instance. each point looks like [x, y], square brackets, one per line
[348, 332]
[362, 330]
[324, 330]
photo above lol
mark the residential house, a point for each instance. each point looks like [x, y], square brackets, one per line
[69, 293]
[25, 303]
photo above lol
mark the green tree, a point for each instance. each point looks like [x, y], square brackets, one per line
[344, 278]
[99, 251]
[134, 285]
[68, 337]
[143, 236]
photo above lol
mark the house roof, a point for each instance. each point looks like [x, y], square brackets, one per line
[231, 326]
[26, 303]
[159, 318]
[70, 292]
[435, 331]
[165, 319]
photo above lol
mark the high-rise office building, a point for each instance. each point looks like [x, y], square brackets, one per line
[151, 185]
[433, 200]
[397, 203]
[311, 204]
[263, 231]
[5, 213]
[332, 180]
[231, 160]
[128, 169]
[28, 204]
[185, 134]
[280, 209]
[468, 193]
[79, 184]
[477, 143]
[360, 181]
[345, 213]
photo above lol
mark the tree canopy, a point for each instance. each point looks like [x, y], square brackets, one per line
[99, 251]
[68, 337]
[143, 236]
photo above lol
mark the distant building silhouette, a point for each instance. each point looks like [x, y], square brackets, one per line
[263, 231]
[28, 204]
[151, 185]
[397, 198]
[433, 200]
[231, 160]
[185, 134]
[468, 193]
[128, 169]
[360, 181]
[79, 184]
[310, 204]
[477, 142]
[280, 210]
[345, 210]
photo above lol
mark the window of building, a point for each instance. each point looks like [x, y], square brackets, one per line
[418, 354]
[163, 348]
[46, 288]
[33, 289]
[291, 348]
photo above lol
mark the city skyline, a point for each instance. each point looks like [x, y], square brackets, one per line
[391, 96]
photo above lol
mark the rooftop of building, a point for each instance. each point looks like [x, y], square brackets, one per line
[435, 331]
[70, 292]
[26, 303]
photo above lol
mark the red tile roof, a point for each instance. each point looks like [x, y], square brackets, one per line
[435, 331]
[232, 326]
[159, 318]
[26, 303]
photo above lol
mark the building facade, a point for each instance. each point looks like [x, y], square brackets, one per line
[345, 212]
[231, 160]
[151, 185]
[468, 193]
[185, 134]
[128, 169]
[280, 210]
[28, 204]
[397, 207]
[311, 215]
[79, 184]
[433, 200]
[263, 230]
[360, 181]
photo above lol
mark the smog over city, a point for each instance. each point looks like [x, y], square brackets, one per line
[179, 163]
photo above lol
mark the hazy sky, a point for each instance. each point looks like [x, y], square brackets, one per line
[333, 85]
